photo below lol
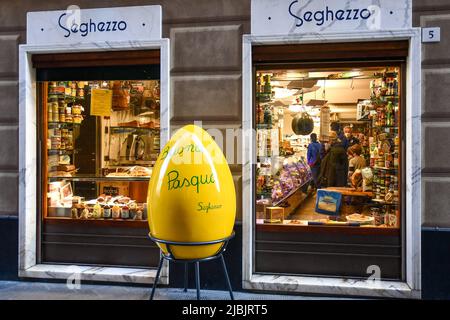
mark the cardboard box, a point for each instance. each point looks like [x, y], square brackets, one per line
[261, 210]
[115, 188]
[274, 215]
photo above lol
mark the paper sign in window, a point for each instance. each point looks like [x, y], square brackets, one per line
[101, 102]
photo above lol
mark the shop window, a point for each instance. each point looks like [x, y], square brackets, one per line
[101, 143]
[328, 182]
[99, 137]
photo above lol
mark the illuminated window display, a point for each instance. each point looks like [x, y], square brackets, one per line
[328, 151]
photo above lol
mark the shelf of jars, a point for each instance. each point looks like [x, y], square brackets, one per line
[101, 222]
[131, 129]
[112, 205]
[280, 176]
[63, 124]
[385, 149]
[61, 151]
[98, 178]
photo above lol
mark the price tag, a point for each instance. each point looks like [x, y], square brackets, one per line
[431, 34]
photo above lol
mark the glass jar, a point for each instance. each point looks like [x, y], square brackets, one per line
[378, 217]
[97, 211]
[76, 109]
[116, 212]
[77, 118]
[125, 214]
[54, 106]
[107, 212]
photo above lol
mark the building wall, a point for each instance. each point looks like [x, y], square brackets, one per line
[206, 37]
[435, 113]
[435, 148]
[205, 76]
[206, 85]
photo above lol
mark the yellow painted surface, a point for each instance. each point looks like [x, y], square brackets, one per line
[191, 194]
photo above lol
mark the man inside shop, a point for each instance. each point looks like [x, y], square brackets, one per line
[314, 158]
[351, 139]
[336, 127]
[334, 167]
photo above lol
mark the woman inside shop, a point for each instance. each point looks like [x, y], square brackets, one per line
[334, 167]
[356, 161]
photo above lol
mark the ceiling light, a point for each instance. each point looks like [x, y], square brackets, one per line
[282, 93]
[295, 108]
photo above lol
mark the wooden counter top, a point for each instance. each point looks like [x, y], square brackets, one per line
[350, 192]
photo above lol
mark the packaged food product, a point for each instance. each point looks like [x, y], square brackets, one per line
[85, 214]
[125, 214]
[139, 214]
[116, 212]
[107, 212]
[360, 218]
[77, 118]
[80, 208]
[74, 213]
[97, 211]
[76, 109]
[90, 214]
[133, 210]
[377, 215]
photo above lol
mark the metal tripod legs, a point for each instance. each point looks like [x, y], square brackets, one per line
[197, 276]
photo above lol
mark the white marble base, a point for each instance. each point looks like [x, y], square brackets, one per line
[331, 286]
[89, 273]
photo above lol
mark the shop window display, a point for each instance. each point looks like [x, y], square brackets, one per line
[354, 113]
[101, 139]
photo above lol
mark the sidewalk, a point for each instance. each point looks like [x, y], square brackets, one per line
[17, 290]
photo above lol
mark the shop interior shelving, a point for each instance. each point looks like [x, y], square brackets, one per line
[99, 178]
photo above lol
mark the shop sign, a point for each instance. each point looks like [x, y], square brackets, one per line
[284, 17]
[75, 25]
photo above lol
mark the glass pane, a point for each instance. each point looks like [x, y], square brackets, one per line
[328, 166]
[101, 141]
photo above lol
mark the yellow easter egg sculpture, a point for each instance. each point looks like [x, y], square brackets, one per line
[191, 195]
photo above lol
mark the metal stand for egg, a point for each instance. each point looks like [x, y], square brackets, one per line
[169, 257]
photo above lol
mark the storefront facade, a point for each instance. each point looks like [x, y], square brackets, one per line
[210, 63]
[44, 235]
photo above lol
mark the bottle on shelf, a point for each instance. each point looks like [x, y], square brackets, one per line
[267, 85]
[389, 114]
[267, 116]
[260, 114]
[258, 84]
